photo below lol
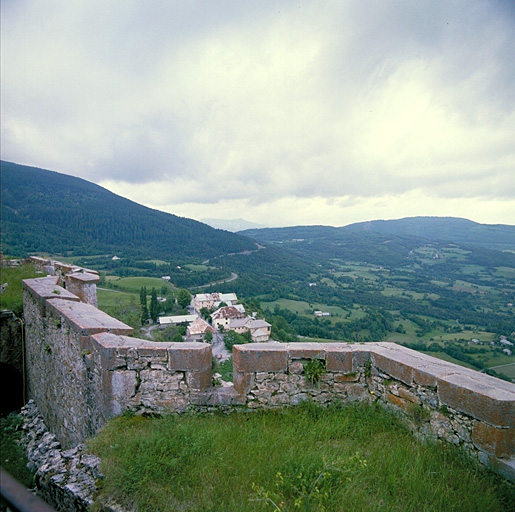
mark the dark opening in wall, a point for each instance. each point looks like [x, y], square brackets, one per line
[11, 389]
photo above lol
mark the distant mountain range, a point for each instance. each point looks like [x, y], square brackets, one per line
[48, 212]
[443, 229]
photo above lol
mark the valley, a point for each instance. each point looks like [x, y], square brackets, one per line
[441, 285]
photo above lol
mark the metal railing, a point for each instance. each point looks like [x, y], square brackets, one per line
[18, 498]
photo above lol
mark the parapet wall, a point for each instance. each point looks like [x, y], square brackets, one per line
[83, 368]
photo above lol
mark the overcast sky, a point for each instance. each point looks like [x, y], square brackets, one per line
[283, 113]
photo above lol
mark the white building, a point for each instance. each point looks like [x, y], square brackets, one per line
[213, 300]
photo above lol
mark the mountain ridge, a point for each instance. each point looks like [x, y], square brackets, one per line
[446, 229]
[46, 211]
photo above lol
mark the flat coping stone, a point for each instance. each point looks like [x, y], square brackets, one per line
[84, 277]
[87, 318]
[481, 396]
[47, 288]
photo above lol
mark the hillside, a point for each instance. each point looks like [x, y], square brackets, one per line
[48, 212]
[392, 243]
[449, 229]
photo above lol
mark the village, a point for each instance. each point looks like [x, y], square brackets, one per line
[223, 314]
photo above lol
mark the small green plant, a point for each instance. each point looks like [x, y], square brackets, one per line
[445, 410]
[56, 291]
[309, 490]
[419, 414]
[368, 368]
[58, 323]
[47, 348]
[314, 369]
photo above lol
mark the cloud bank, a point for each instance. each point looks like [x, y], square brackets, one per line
[281, 113]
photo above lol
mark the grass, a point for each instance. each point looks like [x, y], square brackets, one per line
[11, 298]
[108, 299]
[134, 284]
[356, 457]
[13, 457]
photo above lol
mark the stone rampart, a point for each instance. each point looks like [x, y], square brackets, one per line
[83, 367]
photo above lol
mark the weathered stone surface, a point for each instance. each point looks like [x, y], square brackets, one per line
[481, 396]
[189, 356]
[306, 351]
[48, 288]
[396, 400]
[395, 367]
[122, 387]
[339, 359]
[296, 368]
[243, 381]
[407, 395]
[85, 318]
[346, 377]
[496, 441]
[260, 357]
[199, 380]
[225, 396]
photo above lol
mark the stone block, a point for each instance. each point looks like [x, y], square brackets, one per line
[296, 368]
[407, 395]
[306, 351]
[396, 400]
[199, 380]
[122, 385]
[260, 358]
[87, 319]
[357, 391]
[480, 396]
[218, 396]
[243, 381]
[339, 359]
[397, 368]
[189, 356]
[495, 441]
[168, 403]
[349, 377]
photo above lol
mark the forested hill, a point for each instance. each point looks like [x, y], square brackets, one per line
[48, 212]
[448, 229]
[436, 229]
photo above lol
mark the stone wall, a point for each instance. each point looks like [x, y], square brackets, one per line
[439, 400]
[83, 368]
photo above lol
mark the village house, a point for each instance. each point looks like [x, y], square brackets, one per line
[259, 329]
[222, 316]
[199, 327]
[213, 300]
[176, 320]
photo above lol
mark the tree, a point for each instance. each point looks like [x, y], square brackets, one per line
[143, 295]
[208, 337]
[206, 314]
[154, 305]
[144, 313]
[232, 338]
[183, 298]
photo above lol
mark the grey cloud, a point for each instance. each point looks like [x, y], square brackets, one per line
[260, 101]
